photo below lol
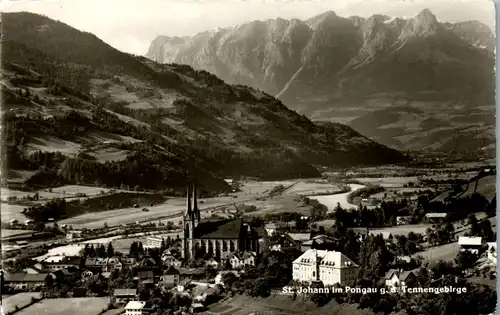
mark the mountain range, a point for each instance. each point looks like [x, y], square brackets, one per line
[369, 73]
[76, 110]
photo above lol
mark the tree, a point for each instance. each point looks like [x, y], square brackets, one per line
[465, 260]
[101, 251]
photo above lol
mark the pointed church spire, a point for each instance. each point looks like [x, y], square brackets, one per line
[188, 203]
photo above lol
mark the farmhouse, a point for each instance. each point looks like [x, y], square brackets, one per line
[214, 237]
[169, 260]
[135, 308]
[123, 296]
[401, 220]
[239, 260]
[24, 281]
[400, 278]
[55, 263]
[170, 277]
[470, 243]
[330, 267]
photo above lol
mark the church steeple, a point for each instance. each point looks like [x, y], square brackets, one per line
[189, 211]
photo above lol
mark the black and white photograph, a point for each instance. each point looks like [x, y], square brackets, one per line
[248, 157]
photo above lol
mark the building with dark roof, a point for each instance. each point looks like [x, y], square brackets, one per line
[214, 237]
[24, 281]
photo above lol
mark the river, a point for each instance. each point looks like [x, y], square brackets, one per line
[331, 200]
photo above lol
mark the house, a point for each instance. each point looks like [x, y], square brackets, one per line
[399, 278]
[123, 296]
[239, 260]
[169, 260]
[470, 243]
[272, 228]
[66, 274]
[403, 219]
[114, 263]
[330, 267]
[196, 308]
[191, 273]
[170, 277]
[135, 308]
[24, 281]
[317, 242]
[220, 276]
[55, 263]
[128, 262]
[392, 278]
[492, 252]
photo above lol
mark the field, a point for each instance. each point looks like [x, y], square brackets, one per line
[446, 252]
[9, 232]
[170, 210]
[331, 200]
[11, 212]
[281, 305]
[387, 182]
[52, 144]
[109, 154]
[19, 300]
[403, 229]
[63, 306]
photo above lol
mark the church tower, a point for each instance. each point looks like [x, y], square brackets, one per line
[191, 218]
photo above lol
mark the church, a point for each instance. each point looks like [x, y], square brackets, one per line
[217, 238]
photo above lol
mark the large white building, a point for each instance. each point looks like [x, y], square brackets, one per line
[330, 267]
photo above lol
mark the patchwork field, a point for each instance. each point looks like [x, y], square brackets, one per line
[52, 144]
[331, 201]
[12, 212]
[109, 154]
[63, 306]
[19, 300]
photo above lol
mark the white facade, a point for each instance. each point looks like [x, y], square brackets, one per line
[330, 267]
[154, 242]
[393, 281]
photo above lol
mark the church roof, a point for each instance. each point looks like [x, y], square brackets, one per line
[225, 229]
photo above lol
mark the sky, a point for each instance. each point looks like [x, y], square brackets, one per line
[131, 25]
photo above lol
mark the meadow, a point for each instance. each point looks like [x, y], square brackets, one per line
[20, 300]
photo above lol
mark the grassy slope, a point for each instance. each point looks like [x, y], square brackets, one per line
[485, 186]
[216, 129]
